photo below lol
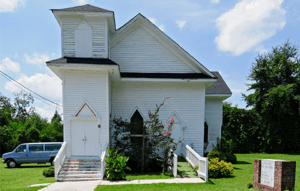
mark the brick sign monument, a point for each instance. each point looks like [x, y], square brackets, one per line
[274, 175]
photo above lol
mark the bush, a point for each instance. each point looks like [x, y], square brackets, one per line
[218, 168]
[230, 157]
[249, 185]
[216, 154]
[49, 172]
[115, 166]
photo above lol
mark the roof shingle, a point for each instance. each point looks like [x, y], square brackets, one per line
[219, 87]
[84, 8]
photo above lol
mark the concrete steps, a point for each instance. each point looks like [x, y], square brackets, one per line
[80, 170]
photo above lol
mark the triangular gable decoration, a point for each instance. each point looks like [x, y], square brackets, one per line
[176, 118]
[85, 111]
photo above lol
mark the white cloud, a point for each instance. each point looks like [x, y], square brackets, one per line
[36, 58]
[9, 65]
[10, 5]
[82, 2]
[180, 24]
[152, 20]
[47, 86]
[45, 112]
[162, 27]
[214, 1]
[249, 23]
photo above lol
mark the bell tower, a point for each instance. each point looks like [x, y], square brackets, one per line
[85, 31]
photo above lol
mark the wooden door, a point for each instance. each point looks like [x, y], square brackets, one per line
[77, 139]
[92, 140]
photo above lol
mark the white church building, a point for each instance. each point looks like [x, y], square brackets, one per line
[108, 72]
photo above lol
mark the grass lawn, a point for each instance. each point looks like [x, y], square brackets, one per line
[184, 169]
[20, 178]
[242, 175]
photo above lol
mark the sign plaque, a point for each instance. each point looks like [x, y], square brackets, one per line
[267, 172]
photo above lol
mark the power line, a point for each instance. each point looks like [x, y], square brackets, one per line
[10, 78]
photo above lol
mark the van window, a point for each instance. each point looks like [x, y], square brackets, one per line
[36, 147]
[52, 147]
[21, 149]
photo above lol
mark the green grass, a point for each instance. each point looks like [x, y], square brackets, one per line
[184, 169]
[158, 175]
[238, 181]
[20, 178]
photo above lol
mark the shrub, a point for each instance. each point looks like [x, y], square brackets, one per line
[215, 154]
[218, 168]
[115, 166]
[49, 172]
[249, 185]
[230, 157]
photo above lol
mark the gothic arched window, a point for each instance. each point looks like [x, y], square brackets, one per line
[205, 132]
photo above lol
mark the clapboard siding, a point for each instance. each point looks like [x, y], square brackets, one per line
[141, 52]
[187, 99]
[214, 117]
[99, 37]
[93, 87]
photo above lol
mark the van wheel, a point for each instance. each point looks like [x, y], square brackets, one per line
[11, 164]
[51, 161]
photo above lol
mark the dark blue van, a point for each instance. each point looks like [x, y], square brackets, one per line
[31, 153]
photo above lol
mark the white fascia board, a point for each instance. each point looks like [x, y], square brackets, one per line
[165, 80]
[218, 95]
[109, 15]
[58, 67]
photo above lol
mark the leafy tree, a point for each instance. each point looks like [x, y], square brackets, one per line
[241, 130]
[276, 97]
[19, 123]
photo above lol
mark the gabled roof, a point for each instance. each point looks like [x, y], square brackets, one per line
[77, 60]
[219, 87]
[84, 8]
[181, 53]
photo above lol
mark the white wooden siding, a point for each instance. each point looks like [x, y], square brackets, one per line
[214, 117]
[187, 99]
[99, 37]
[139, 51]
[93, 87]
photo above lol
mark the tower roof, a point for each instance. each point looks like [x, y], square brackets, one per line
[84, 8]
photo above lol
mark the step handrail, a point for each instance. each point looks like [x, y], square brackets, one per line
[59, 159]
[194, 159]
[103, 157]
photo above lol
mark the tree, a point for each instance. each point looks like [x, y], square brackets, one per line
[276, 97]
[241, 130]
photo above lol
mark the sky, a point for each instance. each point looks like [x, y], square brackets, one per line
[223, 35]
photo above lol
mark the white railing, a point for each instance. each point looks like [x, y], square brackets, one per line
[175, 159]
[103, 157]
[173, 169]
[59, 159]
[194, 159]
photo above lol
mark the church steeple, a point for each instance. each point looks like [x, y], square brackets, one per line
[85, 31]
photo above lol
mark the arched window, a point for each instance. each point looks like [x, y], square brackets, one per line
[136, 117]
[137, 124]
[205, 133]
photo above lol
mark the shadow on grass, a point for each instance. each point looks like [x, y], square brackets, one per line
[237, 168]
[243, 162]
[27, 167]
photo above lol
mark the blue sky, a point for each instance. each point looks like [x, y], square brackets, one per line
[224, 35]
